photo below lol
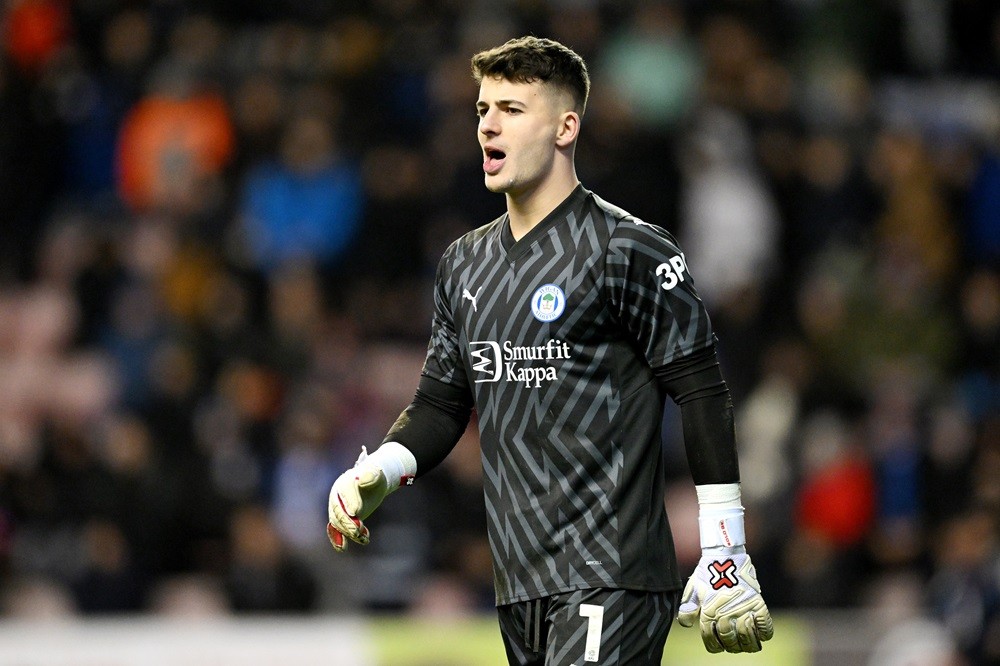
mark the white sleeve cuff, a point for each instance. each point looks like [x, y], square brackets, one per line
[397, 464]
[720, 516]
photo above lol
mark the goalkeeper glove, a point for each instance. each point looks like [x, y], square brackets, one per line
[360, 490]
[723, 594]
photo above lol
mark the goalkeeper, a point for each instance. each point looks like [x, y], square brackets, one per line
[567, 323]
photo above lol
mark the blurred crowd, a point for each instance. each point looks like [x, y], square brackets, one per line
[220, 222]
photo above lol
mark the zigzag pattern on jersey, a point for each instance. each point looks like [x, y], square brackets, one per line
[650, 305]
[521, 468]
[553, 455]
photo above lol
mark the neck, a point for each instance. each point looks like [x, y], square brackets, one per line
[526, 210]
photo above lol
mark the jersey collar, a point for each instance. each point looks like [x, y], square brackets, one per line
[515, 249]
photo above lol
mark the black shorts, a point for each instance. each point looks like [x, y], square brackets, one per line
[601, 626]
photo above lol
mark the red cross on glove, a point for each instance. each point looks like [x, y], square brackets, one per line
[722, 574]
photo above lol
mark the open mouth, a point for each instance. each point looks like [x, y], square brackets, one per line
[493, 160]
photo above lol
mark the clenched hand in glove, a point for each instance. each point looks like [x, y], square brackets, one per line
[723, 595]
[360, 490]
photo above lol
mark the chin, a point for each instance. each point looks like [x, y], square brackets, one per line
[498, 186]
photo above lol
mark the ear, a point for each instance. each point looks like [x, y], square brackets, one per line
[568, 129]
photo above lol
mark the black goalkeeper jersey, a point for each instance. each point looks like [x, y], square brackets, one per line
[555, 336]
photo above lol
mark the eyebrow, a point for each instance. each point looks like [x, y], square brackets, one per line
[502, 102]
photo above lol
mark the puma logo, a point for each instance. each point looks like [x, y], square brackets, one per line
[468, 296]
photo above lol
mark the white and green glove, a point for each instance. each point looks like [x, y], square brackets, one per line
[360, 490]
[723, 595]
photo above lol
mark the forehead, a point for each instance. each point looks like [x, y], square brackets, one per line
[495, 89]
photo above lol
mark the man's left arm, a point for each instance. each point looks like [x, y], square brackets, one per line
[722, 595]
[652, 293]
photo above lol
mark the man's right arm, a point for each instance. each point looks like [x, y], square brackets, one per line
[422, 436]
[433, 423]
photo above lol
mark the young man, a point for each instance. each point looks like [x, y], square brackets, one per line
[566, 323]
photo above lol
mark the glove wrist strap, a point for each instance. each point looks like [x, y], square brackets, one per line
[720, 517]
[398, 465]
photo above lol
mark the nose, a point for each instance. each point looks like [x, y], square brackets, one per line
[488, 123]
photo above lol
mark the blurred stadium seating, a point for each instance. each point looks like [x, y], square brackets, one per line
[219, 225]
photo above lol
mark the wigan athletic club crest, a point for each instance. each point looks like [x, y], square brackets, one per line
[548, 303]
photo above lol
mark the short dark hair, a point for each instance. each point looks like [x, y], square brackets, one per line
[529, 59]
